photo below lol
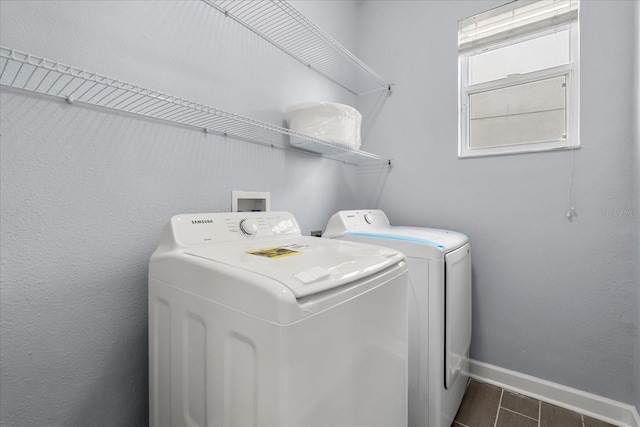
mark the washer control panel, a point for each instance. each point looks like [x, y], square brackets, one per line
[203, 229]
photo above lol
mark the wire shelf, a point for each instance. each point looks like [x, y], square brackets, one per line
[32, 73]
[280, 24]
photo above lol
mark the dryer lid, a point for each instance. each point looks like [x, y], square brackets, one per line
[444, 240]
[374, 224]
[306, 265]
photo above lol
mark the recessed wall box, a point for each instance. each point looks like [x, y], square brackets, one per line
[250, 201]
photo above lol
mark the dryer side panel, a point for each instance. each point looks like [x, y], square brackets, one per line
[457, 313]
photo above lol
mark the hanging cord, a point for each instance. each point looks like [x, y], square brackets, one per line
[571, 213]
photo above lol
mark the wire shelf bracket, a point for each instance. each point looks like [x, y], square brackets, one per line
[35, 74]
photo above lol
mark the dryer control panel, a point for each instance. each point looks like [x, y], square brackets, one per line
[356, 221]
[190, 230]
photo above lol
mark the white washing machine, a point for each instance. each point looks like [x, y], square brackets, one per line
[439, 303]
[252, 324]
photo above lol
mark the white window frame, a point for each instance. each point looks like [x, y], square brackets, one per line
[572, 96]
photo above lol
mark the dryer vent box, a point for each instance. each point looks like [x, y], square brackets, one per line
[250, 201]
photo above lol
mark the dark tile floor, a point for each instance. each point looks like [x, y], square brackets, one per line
[485, 405]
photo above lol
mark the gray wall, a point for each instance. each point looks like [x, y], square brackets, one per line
[552, 298]
[85, 192]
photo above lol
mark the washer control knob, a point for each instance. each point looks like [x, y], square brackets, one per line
[369, 218]
[248, 226]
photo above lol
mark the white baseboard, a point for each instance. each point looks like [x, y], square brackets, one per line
[598, 407]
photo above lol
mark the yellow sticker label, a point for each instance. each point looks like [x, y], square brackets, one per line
[273, 252]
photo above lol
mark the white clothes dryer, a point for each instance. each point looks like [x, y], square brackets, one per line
[439, 308]
[252, 324]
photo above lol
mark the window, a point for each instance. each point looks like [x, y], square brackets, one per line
[519, 78]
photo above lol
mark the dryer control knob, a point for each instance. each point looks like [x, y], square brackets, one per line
[248, 226]
[369, 218]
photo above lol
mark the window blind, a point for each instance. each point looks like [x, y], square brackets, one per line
[513, 20]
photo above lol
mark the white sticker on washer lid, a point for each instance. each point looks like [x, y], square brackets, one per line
[313, 274]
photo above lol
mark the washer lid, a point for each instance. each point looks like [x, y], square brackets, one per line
[306, 265]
